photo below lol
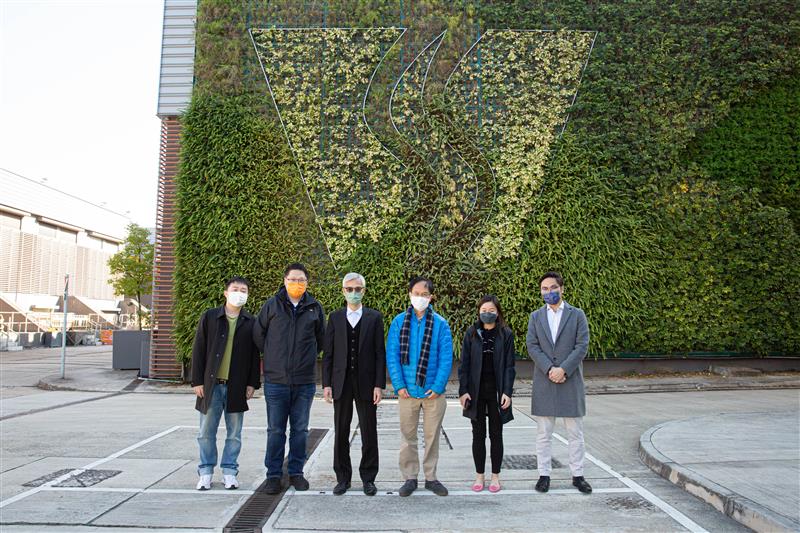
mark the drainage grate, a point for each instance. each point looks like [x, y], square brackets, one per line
[525, 462]
[257, 509]
[87, 478]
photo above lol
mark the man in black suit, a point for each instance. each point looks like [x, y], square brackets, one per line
[354, 371]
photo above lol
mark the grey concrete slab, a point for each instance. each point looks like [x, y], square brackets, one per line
[755, 477]
[695, 508]
[62, 507]
[731, 437]
[211, 509]
[105, 427]
[140, 473]
[51, 528]
[561, 512]
[42, 400]
[12, 481]
[13, 392]
[11, 462]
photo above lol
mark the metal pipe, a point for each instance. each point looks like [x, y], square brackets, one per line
[64, 334]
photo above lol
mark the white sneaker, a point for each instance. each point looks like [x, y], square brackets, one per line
[204, 483]
[230, 482]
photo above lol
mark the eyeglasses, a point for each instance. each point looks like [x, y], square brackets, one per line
[353, 289]
[296, 280]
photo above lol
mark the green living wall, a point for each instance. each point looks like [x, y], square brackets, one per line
[669, 203]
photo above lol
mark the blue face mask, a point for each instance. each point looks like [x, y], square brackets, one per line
[552, 298]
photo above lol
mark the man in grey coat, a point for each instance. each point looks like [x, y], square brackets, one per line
[557, 340]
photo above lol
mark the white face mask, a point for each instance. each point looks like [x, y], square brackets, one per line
[237, 299]
[420, 303]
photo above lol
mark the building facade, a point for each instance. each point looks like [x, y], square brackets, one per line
[174, 93]
[45, 234]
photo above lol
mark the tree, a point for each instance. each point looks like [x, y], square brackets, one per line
[132, 267]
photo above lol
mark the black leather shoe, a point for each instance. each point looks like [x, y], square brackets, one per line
[370, 489]
[582, 485]
[273, 485]
[436, 487]
[298, 482]
[543, 485]
[408, 487]
[341, 488]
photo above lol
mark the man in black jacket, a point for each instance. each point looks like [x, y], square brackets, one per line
[225, 368]
[354, 369]
[289, 330]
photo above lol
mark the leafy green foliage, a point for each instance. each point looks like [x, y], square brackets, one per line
[758, 147]
[242, 210]
[132, 267]
[730, 281]
[668, 205]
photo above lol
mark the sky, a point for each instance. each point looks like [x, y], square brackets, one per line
[78, 97]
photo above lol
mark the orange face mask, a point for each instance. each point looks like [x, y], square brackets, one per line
[295, 289]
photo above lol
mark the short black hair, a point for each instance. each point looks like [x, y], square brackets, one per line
[295, 266]
[416, 279]
[237, 279]
[552, 274]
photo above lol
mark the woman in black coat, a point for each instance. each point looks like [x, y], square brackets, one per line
[486, 378]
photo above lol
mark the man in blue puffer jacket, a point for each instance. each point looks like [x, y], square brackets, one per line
[419, 356]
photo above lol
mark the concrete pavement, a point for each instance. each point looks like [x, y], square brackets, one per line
[125, 461]
[744, 464]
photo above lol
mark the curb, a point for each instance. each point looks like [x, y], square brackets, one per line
[743, 510]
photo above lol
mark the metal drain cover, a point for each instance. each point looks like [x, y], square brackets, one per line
[525, 462]
[87, 478]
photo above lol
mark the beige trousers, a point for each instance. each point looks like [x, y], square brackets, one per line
[432, 416]
[544, 443]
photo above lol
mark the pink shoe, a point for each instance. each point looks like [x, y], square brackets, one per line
[477, 487]
[494, 488]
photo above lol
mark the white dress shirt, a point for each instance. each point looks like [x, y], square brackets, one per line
[554, 319]
[354, 316]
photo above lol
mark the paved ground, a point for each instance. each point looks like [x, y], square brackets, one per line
[140, 448]
[724, 460]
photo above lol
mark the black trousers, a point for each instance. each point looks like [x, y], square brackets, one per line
[368, 429]
[487, 407]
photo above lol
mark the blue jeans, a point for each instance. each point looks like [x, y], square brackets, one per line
[207, 437]
[290, 403]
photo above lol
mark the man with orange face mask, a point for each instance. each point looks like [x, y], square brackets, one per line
[290, 331]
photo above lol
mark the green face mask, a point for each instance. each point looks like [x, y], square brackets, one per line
[353, 297]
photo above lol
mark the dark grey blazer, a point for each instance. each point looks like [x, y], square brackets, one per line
[571, 344]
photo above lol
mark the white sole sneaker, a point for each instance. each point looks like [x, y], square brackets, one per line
[204, 483]
[231, 483]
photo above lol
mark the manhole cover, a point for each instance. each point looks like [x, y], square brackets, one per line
[525, 462]
[87, 478]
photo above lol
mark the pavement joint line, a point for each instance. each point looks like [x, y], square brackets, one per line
[79, 471]
[59, 406]
[673, 513]
[484, 494]
[211, 492]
